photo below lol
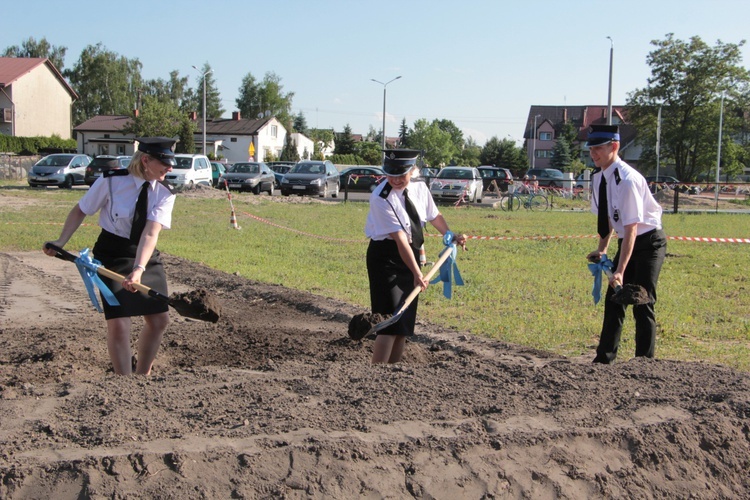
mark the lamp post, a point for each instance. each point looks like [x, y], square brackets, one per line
[609, 94]
[203, 75]
[718, 152]
[533, 149]
[384, 86]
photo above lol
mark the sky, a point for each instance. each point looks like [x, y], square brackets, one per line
[479, 63]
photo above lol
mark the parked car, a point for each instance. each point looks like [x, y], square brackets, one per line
[249, 176]
[453, 182]
[104, 163]
[547, 177]
[502, 177]
[279, 169]
[312, 177]
[190, 171]
[581, 182]
[60, 169]
[361, 178]
[217, 170]
[426, 174]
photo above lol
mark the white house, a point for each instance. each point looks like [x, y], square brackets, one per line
[35, 100]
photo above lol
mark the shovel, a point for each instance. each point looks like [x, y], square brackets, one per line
[628, 294]
[197, 304]
[361, 322]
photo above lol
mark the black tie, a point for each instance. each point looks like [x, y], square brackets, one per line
[417, 238]
[139, 217]
[602, 222]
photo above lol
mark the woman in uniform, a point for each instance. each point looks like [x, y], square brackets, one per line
[134, 205]
[398, 212]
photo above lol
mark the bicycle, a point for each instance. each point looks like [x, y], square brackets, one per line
[530, 201]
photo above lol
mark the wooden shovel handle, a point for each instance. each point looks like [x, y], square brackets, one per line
[435, 268]
[65, 255]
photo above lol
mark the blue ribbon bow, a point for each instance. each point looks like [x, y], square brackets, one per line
[597, 268]
[87, 266]
[449, 268]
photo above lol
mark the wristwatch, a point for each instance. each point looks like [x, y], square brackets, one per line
[142, 268]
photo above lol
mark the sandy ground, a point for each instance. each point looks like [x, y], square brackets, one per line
[275, 401]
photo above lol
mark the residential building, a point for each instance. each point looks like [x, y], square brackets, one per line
[235, 139]
[35, 99]
[549, 121]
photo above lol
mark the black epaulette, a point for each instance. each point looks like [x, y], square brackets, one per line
[386, 190]
[617, 176]
[596, 171]
[168, 186]
[119, 171]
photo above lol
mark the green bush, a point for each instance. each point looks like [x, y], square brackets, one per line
[33, 145]
[347, 159]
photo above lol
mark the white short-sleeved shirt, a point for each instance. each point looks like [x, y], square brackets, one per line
[629, 199]
[115, 198]
[385, 218]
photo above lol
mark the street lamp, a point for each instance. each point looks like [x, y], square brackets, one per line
[609, 96]
[203, 75]
[533, 150]
[384, 86]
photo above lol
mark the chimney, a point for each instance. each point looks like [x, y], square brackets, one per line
[236, 116]
[193, 116]
[565, 115]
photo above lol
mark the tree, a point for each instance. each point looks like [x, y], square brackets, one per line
[504, 154]
[370, 153]
[289, 151]
[436, 143]
[687, 81]
[345, 142]
[214, 109]
[470, 154]
[300, 123]
[106, 83]
[403, 134]
[267, 97]
[561, 157]
[31, 48]
[174, 90]
[321, 138]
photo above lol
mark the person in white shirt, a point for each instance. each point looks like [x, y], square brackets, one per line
[623, 202]
[398, 212]
[134, 205]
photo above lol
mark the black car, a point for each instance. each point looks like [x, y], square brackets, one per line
[361, 178]
[312, 177]
[502, 177]
[546, 177]
[104, 163]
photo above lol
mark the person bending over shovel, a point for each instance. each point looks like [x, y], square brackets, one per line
[622, 201]
[134, 205]
[398, 211]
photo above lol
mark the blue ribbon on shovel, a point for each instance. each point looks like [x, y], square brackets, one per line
[597, 268]
[88, 266]
[449, 269]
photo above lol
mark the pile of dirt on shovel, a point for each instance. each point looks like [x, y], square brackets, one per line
[276, 401]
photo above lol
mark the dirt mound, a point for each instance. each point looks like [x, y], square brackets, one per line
[276, 401]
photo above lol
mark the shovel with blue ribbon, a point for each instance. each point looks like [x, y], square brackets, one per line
[446, 264]
[628, 294]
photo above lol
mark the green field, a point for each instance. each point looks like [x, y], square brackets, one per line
[521, 287]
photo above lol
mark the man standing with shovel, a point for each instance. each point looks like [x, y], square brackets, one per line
[623, 202]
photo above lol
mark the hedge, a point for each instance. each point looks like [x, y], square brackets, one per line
[34, 145]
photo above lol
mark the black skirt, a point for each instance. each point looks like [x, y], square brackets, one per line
[118, 255]
[390, 282]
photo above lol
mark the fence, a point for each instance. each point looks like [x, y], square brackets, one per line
[15, 167]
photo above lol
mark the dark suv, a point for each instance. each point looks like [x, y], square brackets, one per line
[104, 163]
[312, 177]
[502, 177]
[547, 176]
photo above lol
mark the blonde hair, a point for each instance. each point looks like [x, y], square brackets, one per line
[136, 165]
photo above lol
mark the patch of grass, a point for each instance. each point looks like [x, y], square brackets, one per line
[521, 287]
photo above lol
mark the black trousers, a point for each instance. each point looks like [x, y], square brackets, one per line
[390, 282]
[643, 269]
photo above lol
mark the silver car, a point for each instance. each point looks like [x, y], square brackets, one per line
[457, 183]
[59, 169]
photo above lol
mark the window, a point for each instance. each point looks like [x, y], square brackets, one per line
[103, 149]
[544, 153]
[121, 150]
[274, 130]
[232, 139]
[545, 136]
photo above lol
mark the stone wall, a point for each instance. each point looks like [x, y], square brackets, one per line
[15, 167]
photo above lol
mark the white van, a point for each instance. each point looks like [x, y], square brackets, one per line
[190, 171]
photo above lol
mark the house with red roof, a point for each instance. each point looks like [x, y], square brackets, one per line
[35, 99]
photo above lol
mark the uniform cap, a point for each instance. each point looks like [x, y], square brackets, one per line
[398, 162]
[160, 148]
[602, 134]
